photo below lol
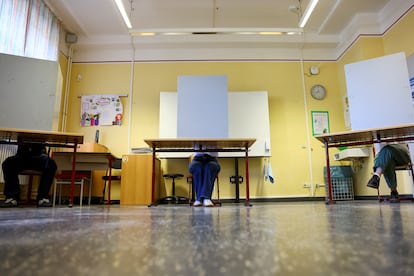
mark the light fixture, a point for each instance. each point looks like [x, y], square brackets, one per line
[217, 31]
[309, 9]
[122, 10]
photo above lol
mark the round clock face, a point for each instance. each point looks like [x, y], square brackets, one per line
[318, 92]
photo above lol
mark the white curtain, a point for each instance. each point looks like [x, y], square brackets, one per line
[13, 22]
[28, 28]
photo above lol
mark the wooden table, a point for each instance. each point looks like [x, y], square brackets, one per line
[202, 145]
[48, 138]
[400, 133]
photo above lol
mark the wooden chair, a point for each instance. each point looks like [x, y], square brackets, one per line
[31, 174]
[405, 167]
[64, 178]
[116, 164]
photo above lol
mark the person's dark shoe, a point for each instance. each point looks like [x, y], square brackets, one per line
[44, 202]
[395, 198]
[374, 182]
[8, 203]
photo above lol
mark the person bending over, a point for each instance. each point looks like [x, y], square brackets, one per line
[389, 157]
[28, 157]
[204, 168]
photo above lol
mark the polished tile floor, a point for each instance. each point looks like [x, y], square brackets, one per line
[300, 238]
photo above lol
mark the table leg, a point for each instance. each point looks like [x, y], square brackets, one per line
[72, 177]
[328, 175]
[236, 179]
[153, 179]
[247, 203]
[110, 180]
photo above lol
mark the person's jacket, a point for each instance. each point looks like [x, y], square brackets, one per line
[31, 150]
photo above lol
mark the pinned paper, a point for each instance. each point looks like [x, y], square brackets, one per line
[101, 110]
[268, 174]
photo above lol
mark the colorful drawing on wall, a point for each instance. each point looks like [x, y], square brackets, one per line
[101, 110]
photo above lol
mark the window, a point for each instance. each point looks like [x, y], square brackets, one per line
[28, 28]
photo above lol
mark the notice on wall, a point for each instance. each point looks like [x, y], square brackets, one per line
[101, 110]
[320, 122]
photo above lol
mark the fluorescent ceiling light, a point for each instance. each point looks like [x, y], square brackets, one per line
[122, 10]
[217, 31]
[307, 13]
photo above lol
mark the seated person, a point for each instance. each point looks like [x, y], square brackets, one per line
[389, 156]
[28, 157]
[204, 168]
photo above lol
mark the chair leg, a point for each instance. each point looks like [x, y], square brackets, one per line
[60, 194]
[109, 191]
[411, 171]
[103, 192]
[54, 193]
[218, 190]
[90, 191]
[81, 192]
[29, 189]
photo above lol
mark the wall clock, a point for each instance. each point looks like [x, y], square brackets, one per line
[318, 91]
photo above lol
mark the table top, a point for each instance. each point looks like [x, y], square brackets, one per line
[205, 143]
[40, 136]
[369, 136]
[82, 153]
[85, 161]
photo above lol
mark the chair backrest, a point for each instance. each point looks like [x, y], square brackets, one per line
[78, 174]
[117, 163]
[30, 172]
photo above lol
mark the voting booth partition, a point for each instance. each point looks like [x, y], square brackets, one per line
[379, 95]
[234, 114]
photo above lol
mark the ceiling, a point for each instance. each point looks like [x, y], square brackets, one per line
[330, 29]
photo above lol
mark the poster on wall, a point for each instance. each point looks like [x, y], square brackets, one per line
[320, 122]
[101, 110]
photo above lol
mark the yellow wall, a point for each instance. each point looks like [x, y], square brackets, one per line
[400, 38]
[282, 80]
[63, 68]
[297, 158]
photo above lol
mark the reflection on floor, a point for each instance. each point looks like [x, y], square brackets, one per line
[311, 238]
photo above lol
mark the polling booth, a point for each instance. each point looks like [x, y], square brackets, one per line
[379, 95]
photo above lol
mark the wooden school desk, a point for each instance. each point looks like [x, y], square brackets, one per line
[400, 133]
[48, 138]
[207, 145]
